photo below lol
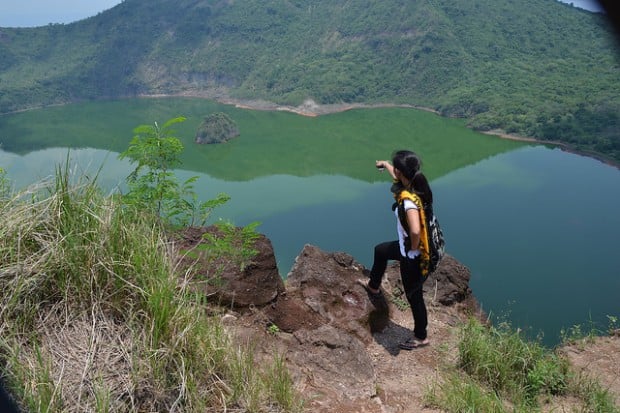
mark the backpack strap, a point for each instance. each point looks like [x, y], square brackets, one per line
[424, 246]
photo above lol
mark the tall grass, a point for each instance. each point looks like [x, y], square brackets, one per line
[94, 315]
[502, 359]
[498, 370]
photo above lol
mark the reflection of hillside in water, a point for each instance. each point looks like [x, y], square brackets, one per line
[271, 143]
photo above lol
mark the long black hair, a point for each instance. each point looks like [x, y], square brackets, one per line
[409, 164]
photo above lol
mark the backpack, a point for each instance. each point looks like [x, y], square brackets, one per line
[432, 244]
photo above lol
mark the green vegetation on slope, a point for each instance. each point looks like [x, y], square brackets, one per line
[96, 314]
[499, 371]
[534, 67]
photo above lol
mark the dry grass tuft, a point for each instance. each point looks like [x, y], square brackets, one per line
[89, 355]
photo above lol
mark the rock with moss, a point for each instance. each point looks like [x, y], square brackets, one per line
[216, 128]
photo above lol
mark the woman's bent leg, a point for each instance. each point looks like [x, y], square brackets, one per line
[383, 253]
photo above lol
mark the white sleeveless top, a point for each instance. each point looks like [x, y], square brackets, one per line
[402, 234]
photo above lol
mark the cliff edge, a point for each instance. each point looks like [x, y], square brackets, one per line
[341, 345]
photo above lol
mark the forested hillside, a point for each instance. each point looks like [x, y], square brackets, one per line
[535, 68]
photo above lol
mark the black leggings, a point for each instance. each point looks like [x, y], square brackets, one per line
[411, 277]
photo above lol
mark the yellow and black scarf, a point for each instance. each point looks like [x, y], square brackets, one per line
[424, 246]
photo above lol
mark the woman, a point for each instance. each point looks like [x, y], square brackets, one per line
[405, 170]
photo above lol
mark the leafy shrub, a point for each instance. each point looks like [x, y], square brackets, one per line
[153, 184]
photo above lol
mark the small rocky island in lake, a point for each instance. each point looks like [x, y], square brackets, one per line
[216, 128]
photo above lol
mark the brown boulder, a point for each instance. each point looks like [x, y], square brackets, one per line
[226, 282]
[325, 286]
[257, 284]
[448, 285]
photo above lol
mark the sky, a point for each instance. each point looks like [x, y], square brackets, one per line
[30, 13]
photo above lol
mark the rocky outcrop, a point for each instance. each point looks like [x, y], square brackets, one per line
[322, 289]
[222, 279]
[257, 284]
[341, 345]
[330, 329]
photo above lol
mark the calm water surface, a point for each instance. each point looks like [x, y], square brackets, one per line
[538, 227]
[539, 230]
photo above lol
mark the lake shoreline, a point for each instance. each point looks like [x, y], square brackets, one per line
[313, 109]
[310, 108]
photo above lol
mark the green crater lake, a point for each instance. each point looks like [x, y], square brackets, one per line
[538, 227]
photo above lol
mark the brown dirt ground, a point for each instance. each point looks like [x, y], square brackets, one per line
[404, 378]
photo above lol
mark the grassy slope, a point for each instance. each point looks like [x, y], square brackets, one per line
[97, 314]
